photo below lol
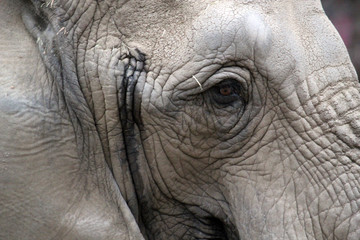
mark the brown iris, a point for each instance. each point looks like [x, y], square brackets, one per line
[226, 91]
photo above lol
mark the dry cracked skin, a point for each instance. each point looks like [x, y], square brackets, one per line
[168, 119]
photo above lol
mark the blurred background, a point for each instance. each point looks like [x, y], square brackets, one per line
[345, 15]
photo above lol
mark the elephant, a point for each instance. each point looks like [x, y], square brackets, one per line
[169, 119]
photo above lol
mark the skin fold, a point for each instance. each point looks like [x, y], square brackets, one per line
[167, 119]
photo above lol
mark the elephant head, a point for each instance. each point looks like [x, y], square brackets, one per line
[169, 119]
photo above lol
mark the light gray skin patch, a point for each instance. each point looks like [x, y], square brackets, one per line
[242, 34]
[275, 162]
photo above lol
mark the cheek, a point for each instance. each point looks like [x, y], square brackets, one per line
[177, 153]
[171, 168]
[207, 123]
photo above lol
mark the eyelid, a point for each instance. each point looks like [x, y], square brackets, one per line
[241, 75]
[190, 89]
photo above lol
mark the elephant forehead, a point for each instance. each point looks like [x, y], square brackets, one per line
[233, 31]
[174, 31]
[171, 33]
[157, 28]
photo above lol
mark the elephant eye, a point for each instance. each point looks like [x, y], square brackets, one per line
[227, 92]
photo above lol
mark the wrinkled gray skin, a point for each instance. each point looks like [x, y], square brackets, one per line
[116, 124]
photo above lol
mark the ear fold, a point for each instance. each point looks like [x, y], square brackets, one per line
[58, 56]
[44, 23]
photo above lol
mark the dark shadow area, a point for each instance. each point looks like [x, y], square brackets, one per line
[345, 15]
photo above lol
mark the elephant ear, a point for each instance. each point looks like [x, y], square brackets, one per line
[47, 21]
